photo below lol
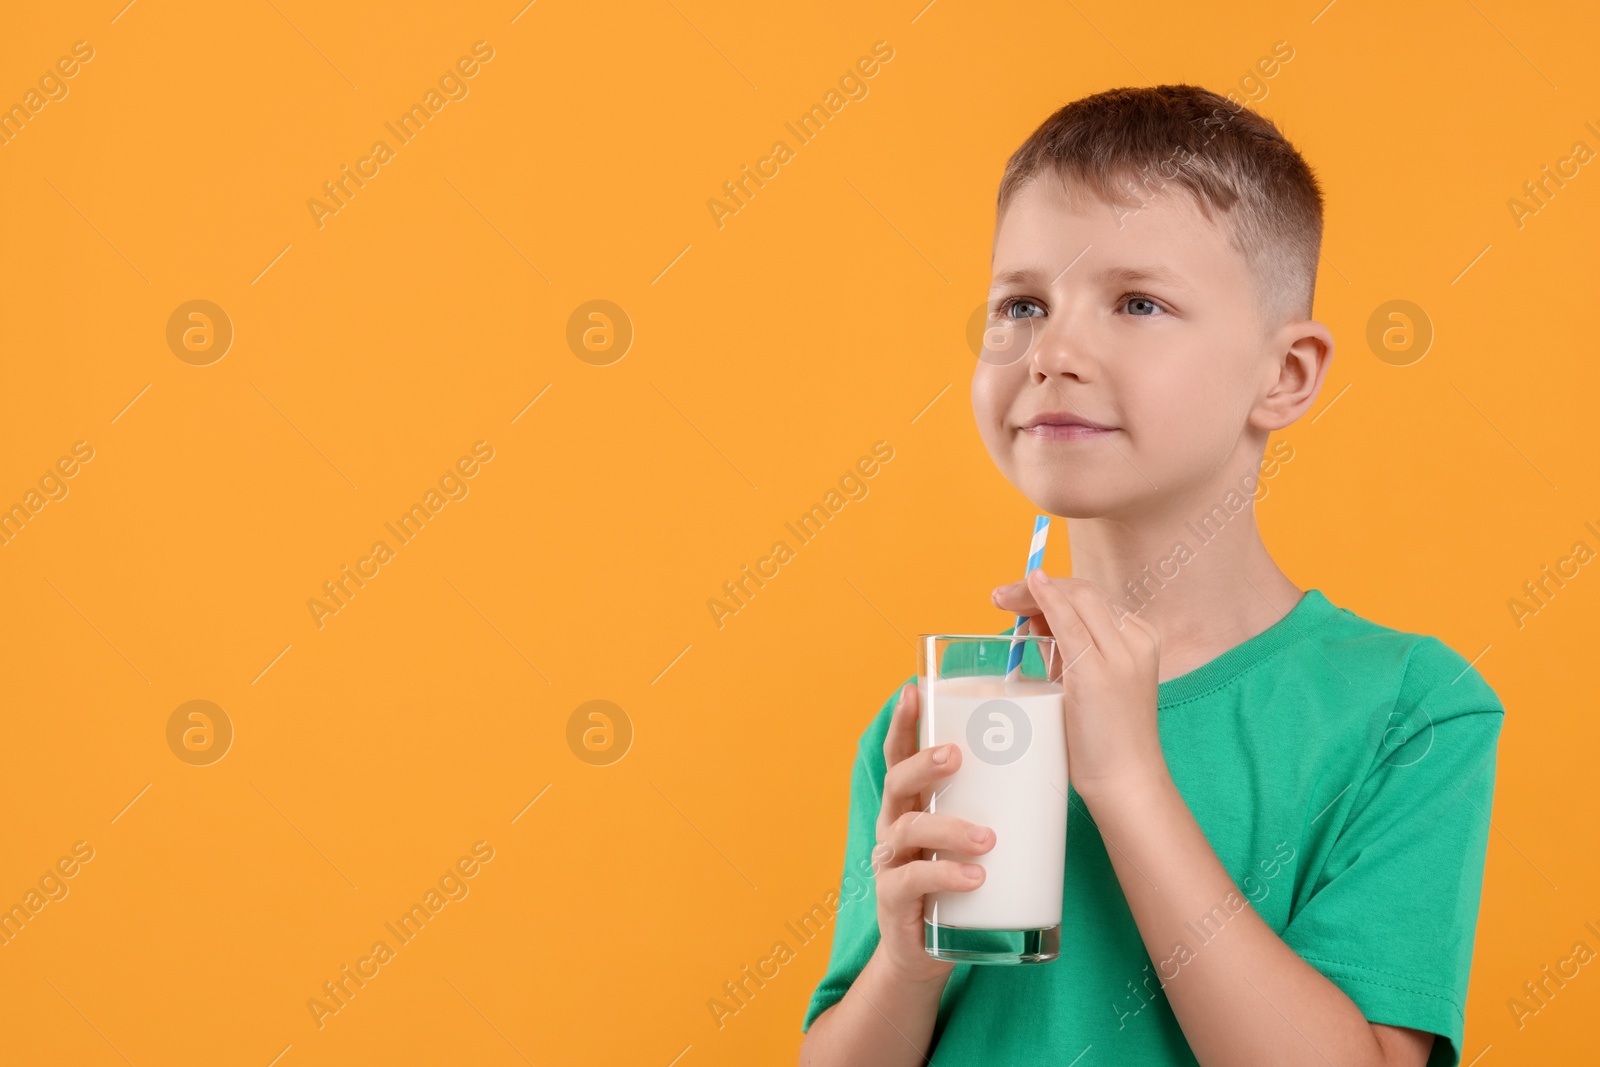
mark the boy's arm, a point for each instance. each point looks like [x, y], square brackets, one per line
[882, 1020]
[1243, 997]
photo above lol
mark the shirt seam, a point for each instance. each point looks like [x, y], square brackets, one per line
[1248, 668]
[1413, 985]
[1433, 685]
[1376, 759]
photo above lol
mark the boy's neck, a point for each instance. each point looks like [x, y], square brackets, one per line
[1223, 590]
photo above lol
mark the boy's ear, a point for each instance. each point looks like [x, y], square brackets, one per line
[1302, 353]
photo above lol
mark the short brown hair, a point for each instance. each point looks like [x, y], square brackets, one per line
[1229, 158]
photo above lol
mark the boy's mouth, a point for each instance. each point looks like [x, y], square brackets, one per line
[1061, 426]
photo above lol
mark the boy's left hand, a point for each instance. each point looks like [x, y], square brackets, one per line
[1110, 679]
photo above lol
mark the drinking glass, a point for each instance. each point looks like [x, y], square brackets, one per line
[1012, 779]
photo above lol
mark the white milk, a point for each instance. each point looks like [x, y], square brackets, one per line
[1015, 784]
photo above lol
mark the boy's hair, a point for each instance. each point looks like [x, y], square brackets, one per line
[1125, 144]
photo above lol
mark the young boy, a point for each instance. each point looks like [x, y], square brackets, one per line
[1278, 810]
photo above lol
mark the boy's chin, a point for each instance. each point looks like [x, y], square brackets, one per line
[1068, 499]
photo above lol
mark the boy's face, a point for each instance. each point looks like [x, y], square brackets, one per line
[1173, 367]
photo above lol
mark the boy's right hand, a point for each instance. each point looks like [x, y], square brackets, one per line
[904, 831]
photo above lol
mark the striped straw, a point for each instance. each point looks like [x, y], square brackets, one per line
[1041, 529]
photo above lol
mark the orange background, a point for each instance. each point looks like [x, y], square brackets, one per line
[768, 356]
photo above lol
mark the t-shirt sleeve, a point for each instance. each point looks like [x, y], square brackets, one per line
[855, 925]
[1392, 912]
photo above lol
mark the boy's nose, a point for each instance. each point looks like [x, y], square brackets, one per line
[1059, 349]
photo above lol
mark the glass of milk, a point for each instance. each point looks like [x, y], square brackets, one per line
[1012, 779]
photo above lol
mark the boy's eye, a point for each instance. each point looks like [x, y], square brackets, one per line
[1141, 307]
[1012, 302]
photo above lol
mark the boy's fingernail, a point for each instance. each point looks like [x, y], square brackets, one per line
[941, 754]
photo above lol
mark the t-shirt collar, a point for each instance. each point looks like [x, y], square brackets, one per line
[1311, 610]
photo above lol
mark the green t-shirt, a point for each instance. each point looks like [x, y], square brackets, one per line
[1342, 772]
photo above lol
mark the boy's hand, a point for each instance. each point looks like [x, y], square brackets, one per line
[904, 831]
[1109, 668]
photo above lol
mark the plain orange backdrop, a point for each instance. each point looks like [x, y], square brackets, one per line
[768, 354]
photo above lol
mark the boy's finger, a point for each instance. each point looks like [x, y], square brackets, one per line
[1095, 611]
[1016, 597]
[901, 740]
[908, 785]
[1066, 625]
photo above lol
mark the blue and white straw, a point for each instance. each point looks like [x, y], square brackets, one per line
[1041, 529]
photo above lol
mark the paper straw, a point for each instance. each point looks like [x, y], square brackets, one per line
[1041, 529]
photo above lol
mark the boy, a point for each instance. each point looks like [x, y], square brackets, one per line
[1278, 810]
